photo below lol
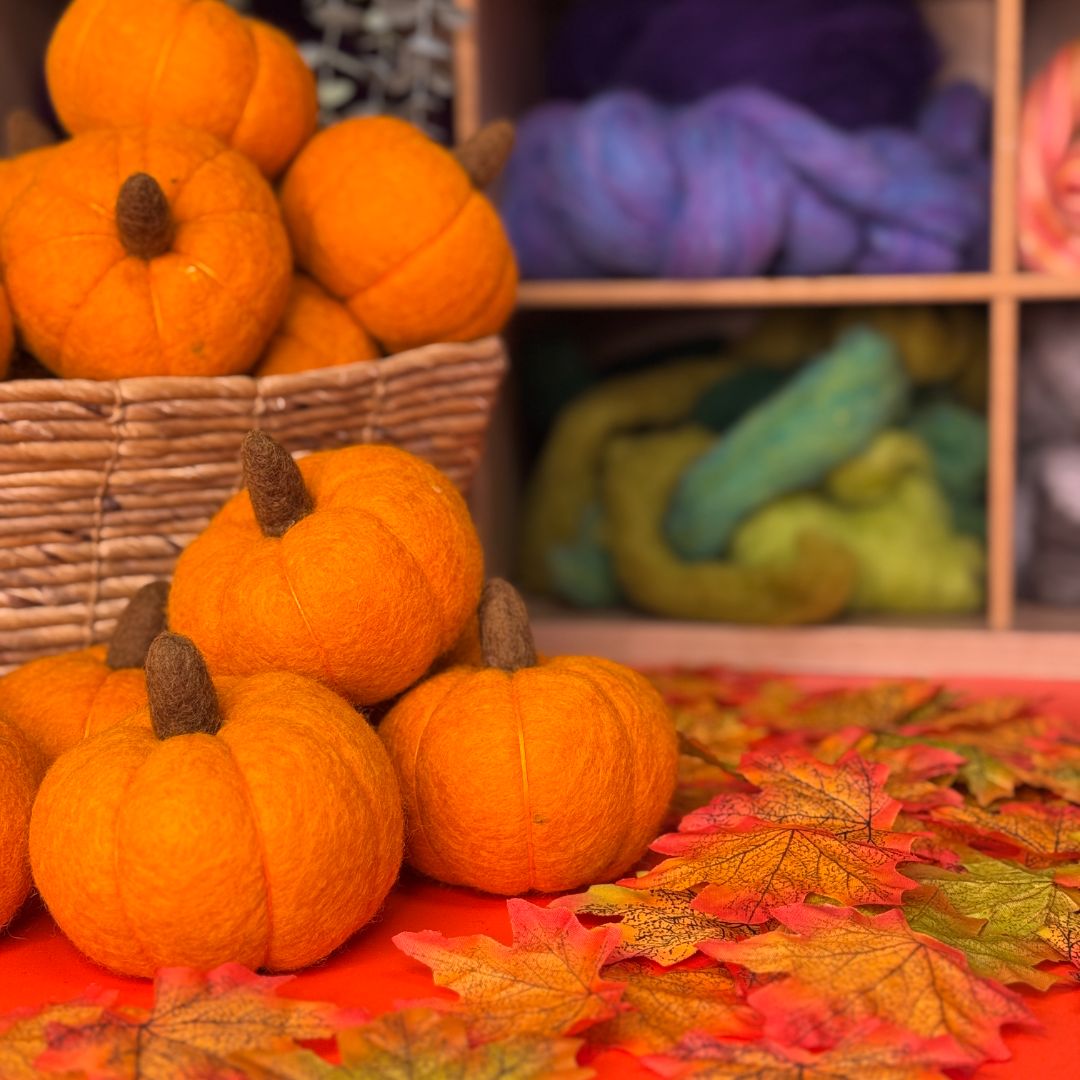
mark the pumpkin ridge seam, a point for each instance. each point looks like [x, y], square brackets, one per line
[327, 668]
[93, 704]
[260, 843]
[256, 67]
[530, 847]
[116, 863]
[80, 45]
[62, 345]
[162, 63]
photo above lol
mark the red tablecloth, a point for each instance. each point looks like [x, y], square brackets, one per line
[38, 965]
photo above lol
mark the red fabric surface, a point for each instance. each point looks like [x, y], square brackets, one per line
[39, 966]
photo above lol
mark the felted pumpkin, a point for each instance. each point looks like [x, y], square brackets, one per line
[357, 567]
[7, 334]
[316, 331]
[251, 820]
[21, 769]
[397, 227]
[529, 775]
[145, 253]
[188, 63]
[59, 700]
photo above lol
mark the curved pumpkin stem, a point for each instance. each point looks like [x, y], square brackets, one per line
[141, 621]
[25, 131]
[279, 496]
[143, 218]
[485, 154]
[506, 638]
[182, 697]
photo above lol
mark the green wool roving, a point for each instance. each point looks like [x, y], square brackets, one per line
[811, 582]
[827, 413]
[886, 508]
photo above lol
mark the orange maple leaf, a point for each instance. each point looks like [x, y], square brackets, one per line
[659, 924]
[847, 798]
[546, 983]
[23, 1034]
[198, 1024]
[874, 1054]
[421, 1043]
[761, 866]
[844, 968]
[666, 1005]
[1050, 830]
[883, 707]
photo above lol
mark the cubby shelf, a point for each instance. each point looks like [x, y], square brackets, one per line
[498, 68]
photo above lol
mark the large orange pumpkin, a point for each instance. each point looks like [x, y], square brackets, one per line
[58, 700]
[316, 331]
[21, 769]
[145, 253]
[188, 63]
[357, 567]
[396, 227]
[252, 820]
[530, 774]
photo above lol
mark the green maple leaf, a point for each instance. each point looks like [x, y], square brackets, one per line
[994, 956]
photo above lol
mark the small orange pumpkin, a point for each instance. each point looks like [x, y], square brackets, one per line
[357, 567]
[145, 253]
[186, 63]
[251, 820]
[21, 769]
[316, 331]
[58, 700]
[530, 775]
[397, 228]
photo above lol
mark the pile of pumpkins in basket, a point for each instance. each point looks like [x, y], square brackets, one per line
[196, 223]
[215, 791]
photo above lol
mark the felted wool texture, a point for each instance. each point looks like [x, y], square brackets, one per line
[56, 701]
[189, 63]
[545, 779]
[639, 475]
[21, 769]
[202, 850]
[87, 309]
[363, 594]
[390, 223]
[16, 175]
[316, 331]
[7, 334]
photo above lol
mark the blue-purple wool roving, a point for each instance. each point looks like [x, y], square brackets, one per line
[743, 183]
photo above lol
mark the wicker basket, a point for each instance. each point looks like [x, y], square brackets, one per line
[104, 483]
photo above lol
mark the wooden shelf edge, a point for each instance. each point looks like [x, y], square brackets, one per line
[844, 649]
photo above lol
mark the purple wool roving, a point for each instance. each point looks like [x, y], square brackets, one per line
[744, 183]
[853, 62]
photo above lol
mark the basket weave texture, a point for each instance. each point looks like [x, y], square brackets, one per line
[102, 484]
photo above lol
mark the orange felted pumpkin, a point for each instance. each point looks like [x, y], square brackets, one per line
[145, 253]
[316, 331]
[252, 820]
[357, 567]
[398, 228]
[7, 334]
[21, 769]
[191, 63]
[530, 774]
[58, 700]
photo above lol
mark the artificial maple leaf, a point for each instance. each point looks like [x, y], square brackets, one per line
[23, 1034]
[546, 983]
[1062, 934]
[422, 1044]
[1055, 769]
[760, 866]
[844, 968]
[658, 924]
[196, 1026]
[666, 1005]
[1016, 901]
[881, 708]
[878, 1054]
[986, 712]
[847, 798]
[992, 955]
[1043, 829]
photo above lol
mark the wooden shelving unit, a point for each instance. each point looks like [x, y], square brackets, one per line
[498, 73]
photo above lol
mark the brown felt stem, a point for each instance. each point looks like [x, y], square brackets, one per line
[182, 697]
[143, 218]
[505, 635]
[23, 132]
[279, 496]
[140, 622]
[484, 155]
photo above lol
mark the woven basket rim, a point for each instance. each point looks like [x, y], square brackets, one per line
[143, 386]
